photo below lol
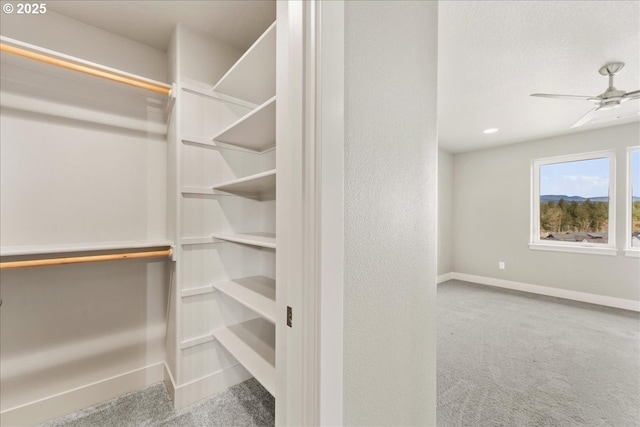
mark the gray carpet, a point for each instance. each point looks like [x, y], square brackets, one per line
[505, 358]
[508, 358]
[246, 404]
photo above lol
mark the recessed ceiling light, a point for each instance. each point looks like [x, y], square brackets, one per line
[491, 130]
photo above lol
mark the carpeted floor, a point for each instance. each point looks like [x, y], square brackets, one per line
[246, 404]
[507, 358]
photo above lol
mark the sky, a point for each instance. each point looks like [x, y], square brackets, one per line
[588, 178]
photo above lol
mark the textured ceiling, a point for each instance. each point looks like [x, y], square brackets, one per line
[237, 23]
[492, 55]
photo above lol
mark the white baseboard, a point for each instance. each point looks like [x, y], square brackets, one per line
[444, 277]
[82, 397]
[202, 388]
[625, 304]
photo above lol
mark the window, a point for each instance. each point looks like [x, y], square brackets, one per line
[573, 205]
[633, 202]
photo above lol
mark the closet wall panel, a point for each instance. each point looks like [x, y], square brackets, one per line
[81, 162]
[57, 32]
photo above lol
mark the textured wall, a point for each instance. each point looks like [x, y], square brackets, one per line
[492, 219]
[445, 212]
[390, 212]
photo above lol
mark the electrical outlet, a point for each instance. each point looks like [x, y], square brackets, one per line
[501, 265]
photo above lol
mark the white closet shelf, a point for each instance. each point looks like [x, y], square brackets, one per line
[255, 131]
[251, 186]
[197, 240]
[206, 90]
[257, 293]
[197, 190]
[82, 247]
[207, 142]
[265, 240]
[81, 68]
[253, 77]
[252, 343]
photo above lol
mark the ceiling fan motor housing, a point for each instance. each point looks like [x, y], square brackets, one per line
[611, 68]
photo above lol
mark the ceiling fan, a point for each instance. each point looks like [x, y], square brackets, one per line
[609, 99]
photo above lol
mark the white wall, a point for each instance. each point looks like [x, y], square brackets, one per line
[445, 212]
[71, 180]
[71, 37]
[203, 59]
[390, 212]
[491, 219]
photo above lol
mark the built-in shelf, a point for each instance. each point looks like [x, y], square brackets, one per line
[252, 343]
[192, 342]
[265, 240]
[250, 186]
[206, 90]
[253, 77]
[257, 293]
[82, 247]
[197, 240]
[216, 145]
[255, 131]
[202, 290]
[197, 190]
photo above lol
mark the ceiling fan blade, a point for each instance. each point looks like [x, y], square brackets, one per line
[574, 97]
[624, 116]
[586, 118]
[632, 95]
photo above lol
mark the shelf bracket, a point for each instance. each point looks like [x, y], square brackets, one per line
[171, 100]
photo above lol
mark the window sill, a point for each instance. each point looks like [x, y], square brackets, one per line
[635, 252]
[575, 249]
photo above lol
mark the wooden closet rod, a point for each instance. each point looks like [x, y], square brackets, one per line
[5, 48]
[82, 259]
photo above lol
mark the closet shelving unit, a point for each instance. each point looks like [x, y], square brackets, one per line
[252, 79]
[226, 220]
[27, 60]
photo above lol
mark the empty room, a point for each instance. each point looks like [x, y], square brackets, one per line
[539, 214]
[322, 212]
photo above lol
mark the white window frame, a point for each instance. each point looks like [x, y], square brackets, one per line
[629, 250]
[578, 247]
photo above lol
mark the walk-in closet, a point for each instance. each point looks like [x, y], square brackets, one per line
[138, 203]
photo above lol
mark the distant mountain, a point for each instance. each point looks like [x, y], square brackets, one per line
[556, 198]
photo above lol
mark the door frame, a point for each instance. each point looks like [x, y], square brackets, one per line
[310, 211]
